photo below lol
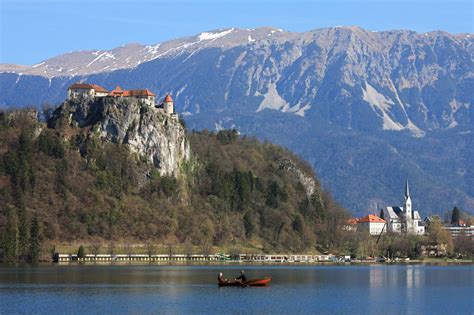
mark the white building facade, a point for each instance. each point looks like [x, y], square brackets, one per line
[371, 223]
[82, 90]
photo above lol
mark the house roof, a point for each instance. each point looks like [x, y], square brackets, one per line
[144, 92]
[168, 98]
[394, 212]
[131, 93]
[352, 221]
[416, 215]
[372, 218]
[85, 86]
[117, 91]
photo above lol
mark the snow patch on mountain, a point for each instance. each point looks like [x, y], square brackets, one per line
[38, 64]
[211, 36]
[153, 50]
[103, 56]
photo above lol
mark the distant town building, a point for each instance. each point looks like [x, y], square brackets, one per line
[456, 231]
[351, 224]
[82, 90]
[403, 219]
[460, 228]
[371, 223]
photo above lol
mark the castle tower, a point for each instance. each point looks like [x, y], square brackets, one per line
[407, 205]
[168, 105]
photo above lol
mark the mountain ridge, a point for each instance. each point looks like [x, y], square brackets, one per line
[126, 49]
[394, 86]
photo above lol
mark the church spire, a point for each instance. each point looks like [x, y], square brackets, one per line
[408, 208]
[407, 190]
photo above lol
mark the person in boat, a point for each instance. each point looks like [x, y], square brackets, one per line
[242, 277]
[221, 278]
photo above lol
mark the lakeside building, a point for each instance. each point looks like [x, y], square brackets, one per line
[262, 258]
[371, 223]
[351, 224]
[457, 230]
[84, 90]
[403, 219]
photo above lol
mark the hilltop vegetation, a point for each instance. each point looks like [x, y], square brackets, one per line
[235, 191]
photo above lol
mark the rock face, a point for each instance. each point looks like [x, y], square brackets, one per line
[306, 181]
[147, 131]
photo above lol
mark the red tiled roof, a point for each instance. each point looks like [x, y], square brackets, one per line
[117, 91]
[372, 218]
[98, 88]
[144, 92]
[168, 98]
[131, 93]
[85, 86]
[352, 221]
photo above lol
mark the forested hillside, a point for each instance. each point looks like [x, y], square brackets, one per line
[233, 191]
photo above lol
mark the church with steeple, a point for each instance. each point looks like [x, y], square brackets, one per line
[403, 219]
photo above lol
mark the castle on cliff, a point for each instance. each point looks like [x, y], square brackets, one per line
[83, 90]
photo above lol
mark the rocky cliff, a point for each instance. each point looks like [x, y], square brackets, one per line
[157, 138]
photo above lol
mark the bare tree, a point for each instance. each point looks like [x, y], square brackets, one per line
[95, 248]
[206, 247]
[111, 248]
[170, 248]
[188, 248]
[150, 249]
[128, 249]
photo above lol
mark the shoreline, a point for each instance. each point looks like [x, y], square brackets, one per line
[437, 262]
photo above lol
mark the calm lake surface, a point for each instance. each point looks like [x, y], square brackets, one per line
[139, 289]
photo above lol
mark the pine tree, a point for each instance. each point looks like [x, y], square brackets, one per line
[23, 234]
[249, 225]
[455, 216]
[298, 225]
[35, 240]
[81, 253]
[10, 236]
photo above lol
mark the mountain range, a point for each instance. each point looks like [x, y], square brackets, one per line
[366, 109]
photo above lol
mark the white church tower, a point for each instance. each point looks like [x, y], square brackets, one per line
[407, 205]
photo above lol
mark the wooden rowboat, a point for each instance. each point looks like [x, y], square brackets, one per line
[249, 283]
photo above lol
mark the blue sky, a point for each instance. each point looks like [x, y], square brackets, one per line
[34, 30]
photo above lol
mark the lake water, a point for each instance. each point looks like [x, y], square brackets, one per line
[146, 289]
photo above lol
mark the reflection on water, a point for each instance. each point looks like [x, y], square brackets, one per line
[192, 289]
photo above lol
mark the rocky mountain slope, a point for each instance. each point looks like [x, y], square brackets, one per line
[392, 93]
